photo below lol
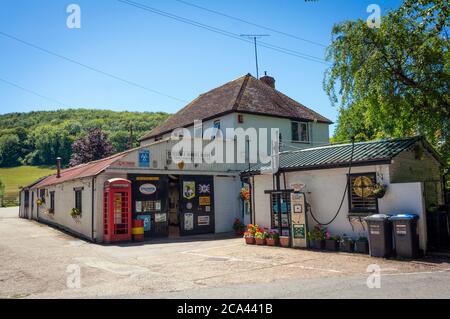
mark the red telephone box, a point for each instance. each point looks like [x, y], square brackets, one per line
[117, 210]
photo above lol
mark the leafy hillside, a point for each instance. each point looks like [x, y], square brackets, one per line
[37, 138]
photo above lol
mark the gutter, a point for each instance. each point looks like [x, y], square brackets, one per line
[93, 207]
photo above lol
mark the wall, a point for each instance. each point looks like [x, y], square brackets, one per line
[64, 202]
[226, 202]
[324, 190]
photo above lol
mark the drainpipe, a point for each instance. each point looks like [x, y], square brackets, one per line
[58, 167]
[93, 207]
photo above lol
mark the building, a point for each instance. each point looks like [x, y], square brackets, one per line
[409, 168]
[99, 200]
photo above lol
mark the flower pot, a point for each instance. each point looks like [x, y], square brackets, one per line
[249, 240]
[331, 244]
[347, 246]
[260, 241]
[317, 244]
[362, 247]
[285, 241]
[272, 241]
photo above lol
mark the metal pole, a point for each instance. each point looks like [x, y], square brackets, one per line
[256, 58]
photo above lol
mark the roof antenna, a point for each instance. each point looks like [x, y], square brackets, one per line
[254, 37]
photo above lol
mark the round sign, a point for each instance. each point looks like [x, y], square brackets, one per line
[147, 189]
[189, 205]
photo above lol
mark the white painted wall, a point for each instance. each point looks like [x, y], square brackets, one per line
[64, 202]
[324, 190]
[226, 202]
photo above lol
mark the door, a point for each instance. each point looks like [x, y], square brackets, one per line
[196, 205]
[150, 203]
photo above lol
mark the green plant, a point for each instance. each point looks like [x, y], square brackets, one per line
[273, 234]
[260, 234]
[75, 212]
[318, 233]
[238, 226]
[362, 239]
[345, 239]
[379, 190]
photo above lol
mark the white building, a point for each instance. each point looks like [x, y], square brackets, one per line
[409, 168]
[173, 199]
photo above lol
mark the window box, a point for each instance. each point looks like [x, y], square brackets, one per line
[317, 244]
[285, 241]
[331, 244]
[362, 247]
[347, 246]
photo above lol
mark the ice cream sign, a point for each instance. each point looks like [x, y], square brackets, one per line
[147, 189]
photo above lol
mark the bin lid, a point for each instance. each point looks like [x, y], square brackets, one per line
[377, 217]
[404, 217]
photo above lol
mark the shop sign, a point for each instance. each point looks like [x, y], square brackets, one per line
[147, 189]
[188, 190]
[203, 220]
[147, 178]
[299, 230]
[204, 188]
[204, 200]
[144, 158]
[160, 218]
[125, 164]
[188, 221]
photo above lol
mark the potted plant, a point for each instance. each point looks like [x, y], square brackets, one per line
[317, 237]
[285, 241]
[40, 201]
[260, 237]
[346, 244]
[273, 238]
[75, 213]
[245, 194]
[332, 242]
[249, 235]
[362, 245]
[379, 190]
[238, 227]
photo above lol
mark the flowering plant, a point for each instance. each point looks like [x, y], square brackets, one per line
[251, 230]
[245, 194]
[379, 190]
[273, 234]
[238, 226]
[75, 212]
[318, 233]
[40, 201]
[260, 233]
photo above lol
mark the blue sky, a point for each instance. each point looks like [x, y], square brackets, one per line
[159, 53]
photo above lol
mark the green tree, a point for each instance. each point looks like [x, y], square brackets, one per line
[10, 150]
[393, 80]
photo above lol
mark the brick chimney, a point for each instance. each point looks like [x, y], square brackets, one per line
[270, 81]
[58, 167]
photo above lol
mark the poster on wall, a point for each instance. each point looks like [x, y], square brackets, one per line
[204, 200]
[160, 218]
[188, 189]
[203, 220]
[188, 221]
[138, 206]
[147, 221]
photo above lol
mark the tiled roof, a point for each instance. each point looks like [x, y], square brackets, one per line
[340, 155]
[245, 95]
[84, 170]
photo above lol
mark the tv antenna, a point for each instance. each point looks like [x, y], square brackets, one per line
[254, 37]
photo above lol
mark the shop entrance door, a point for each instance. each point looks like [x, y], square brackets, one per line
[196, 205]
[150, 203]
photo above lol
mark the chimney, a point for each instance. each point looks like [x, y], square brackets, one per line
[270, 81]
[58, 167]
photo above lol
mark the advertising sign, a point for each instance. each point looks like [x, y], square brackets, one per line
[147, 189]
[144, 158]
[203, 220]
[188, 189]
[188, 221]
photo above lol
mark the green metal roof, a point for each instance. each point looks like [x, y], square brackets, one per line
[381, 151]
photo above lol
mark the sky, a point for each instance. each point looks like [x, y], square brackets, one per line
[122, 54]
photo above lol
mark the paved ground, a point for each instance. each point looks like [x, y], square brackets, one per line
[36, 261]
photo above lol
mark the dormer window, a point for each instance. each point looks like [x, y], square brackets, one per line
[300, 132]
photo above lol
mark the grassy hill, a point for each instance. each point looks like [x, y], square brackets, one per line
[14, 177]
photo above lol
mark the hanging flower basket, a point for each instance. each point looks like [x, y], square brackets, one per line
[75, 213]
[379, 190]
[245, 194]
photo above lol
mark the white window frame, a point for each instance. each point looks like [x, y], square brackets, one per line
[299, 125]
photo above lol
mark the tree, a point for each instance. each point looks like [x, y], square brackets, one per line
[95, 145]
[10, 150]
[2, 192]
[393, 80]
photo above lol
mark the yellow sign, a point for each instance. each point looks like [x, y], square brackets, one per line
[204, 200]
[147, 178]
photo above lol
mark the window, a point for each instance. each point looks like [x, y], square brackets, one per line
[361, 197]
[42, 194]
[78, 199]
[52, 201]
[300, 132]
